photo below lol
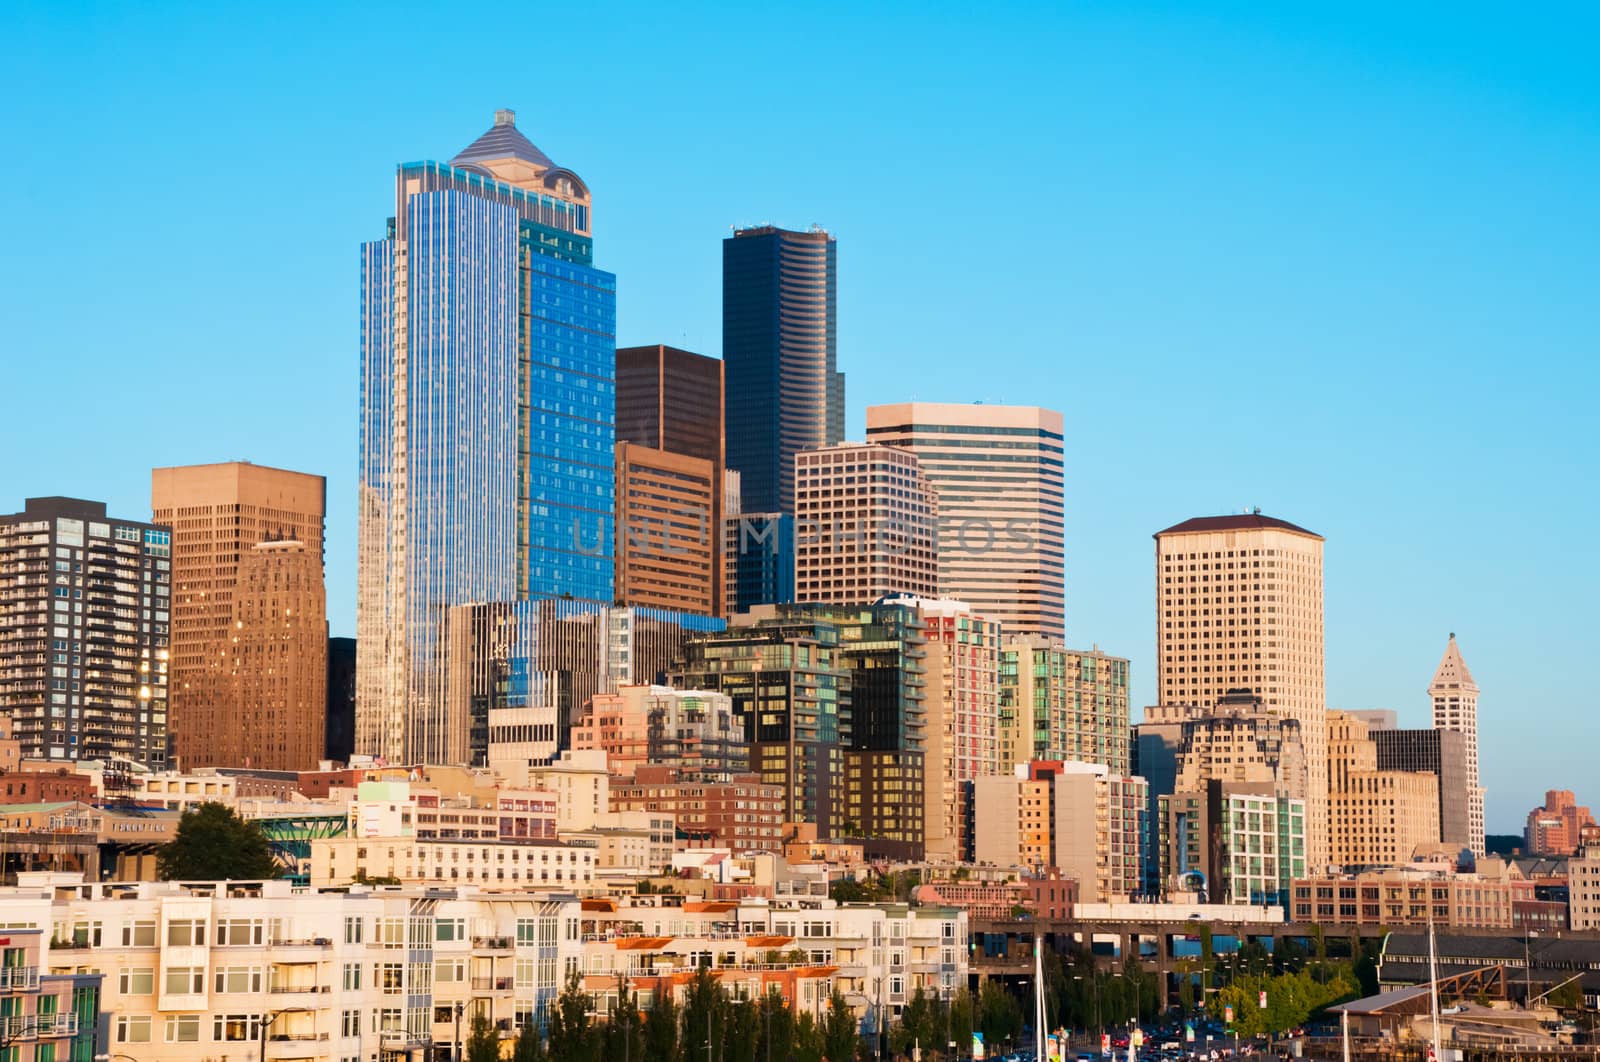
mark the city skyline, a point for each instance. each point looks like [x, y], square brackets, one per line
[1431, 418]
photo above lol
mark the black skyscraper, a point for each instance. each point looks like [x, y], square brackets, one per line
[784, 391]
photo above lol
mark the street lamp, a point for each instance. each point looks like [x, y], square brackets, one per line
[108, 1058]
[460, 1006]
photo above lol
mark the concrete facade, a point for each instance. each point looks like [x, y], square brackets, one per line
[866, 525]
[1239, 607]
[998, 473]
[1376, 818]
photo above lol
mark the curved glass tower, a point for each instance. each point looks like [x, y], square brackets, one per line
[487, 422]
[780, 353]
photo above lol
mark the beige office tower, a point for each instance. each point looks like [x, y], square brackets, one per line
[1239, 608]
[248, 673]
[1375, 818]
[1455, 707]
[865, 525]
[997, 471]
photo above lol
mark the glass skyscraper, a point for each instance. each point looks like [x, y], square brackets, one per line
[487, 422]
[780, 353]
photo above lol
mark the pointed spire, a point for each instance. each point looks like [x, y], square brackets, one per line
[1452, 673]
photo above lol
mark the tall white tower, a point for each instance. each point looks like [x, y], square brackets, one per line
[1455, 707]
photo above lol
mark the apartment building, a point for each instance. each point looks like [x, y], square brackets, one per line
[1062, 704]
[84, 617]
[877, 955]
[1078, 818]
[45, 1016]
[197, 971]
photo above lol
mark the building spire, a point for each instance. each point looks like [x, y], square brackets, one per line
[1452, 672]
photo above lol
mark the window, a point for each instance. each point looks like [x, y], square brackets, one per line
[139, 981]
[389, 976]
[183, 1028]
[353, 930]
[133, 1028]
[236, 1028]
[140, 934]
[234, 932]
[450, 929]
[352, 976]
[239, 979]
[186, 932]
[391, 932]
[449, 971]
[185, 980]
[350, 1023]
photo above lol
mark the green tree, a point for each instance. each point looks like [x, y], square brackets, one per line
[961, 1021]
[808, 1041]
[572, 1036]
[661, 1028]
[624, 1031]
[483, 1041]
[849, 890]
[742, 1040]
[999, 1014]
[775, 1028]
[215, 844]
[704, 1017]
[840, 1033]
[915, 1027]
[530, 1045]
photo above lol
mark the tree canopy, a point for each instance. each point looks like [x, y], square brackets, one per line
[215, 844]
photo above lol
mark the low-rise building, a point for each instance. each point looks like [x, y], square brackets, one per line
[199, 971]
[1401, 896]
[1583, 889]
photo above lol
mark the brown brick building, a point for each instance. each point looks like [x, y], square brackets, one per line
[249, 625]
[743, 813]
[668, 549]
[670, 422]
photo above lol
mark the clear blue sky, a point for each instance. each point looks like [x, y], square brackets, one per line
[1339, 263]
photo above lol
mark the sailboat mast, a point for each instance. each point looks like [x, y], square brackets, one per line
[1038, 995]
[1433, 978]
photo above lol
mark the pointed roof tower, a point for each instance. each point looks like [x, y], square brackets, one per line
[503, 141]
[1452, 673]
[504, 154]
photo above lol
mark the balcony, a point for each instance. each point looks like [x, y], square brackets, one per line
[492, 984]
[492, 944]
[49, 1025]
[19, 978]
[285, 995]
[300, 952]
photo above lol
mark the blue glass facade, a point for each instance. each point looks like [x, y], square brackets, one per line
[761, 558]
[487, 427]
[571, 438]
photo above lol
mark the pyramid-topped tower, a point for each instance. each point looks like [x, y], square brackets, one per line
[1455, 707]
